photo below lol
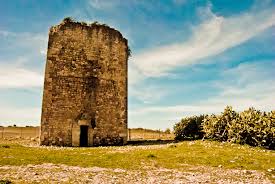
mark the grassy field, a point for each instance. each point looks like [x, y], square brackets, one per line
[134, 133]
[184, 157]
[22, 132]
[148, 134]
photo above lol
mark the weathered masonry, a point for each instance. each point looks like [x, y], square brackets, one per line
[85, 87]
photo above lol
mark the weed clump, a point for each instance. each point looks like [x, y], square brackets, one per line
[5, 182]
[5, 146]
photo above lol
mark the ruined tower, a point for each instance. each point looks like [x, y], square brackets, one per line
[85, 87]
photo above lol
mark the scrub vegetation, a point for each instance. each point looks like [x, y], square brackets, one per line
[252, 127]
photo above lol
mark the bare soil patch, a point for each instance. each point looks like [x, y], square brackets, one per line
[60, 173]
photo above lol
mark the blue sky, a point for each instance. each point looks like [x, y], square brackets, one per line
[188, 57]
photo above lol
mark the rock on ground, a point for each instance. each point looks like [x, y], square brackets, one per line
[60, 173]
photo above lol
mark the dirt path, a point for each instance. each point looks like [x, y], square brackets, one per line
[52, 173]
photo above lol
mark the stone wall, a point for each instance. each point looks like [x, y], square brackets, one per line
[85, 85]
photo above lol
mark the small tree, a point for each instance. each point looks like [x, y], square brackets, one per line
[167, 131]
[189, 128]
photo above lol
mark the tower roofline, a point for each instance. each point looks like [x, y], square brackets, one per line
[69, 22]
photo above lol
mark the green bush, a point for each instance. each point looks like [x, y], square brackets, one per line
[167, 131]
[254, 128]
[5, 182]
[251, 127]
[189, 128]
[216, 126]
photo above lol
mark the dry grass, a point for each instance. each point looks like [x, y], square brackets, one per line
[33, 132]
[185, 162]
[147, 134]
[19, 132]
[23, 161]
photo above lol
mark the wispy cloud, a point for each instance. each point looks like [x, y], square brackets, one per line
[19, 116]
[212, 37]
[21, 64]
[103, 4]
[34, 43]
[18, 77]
[22, 49]
[247, 85]
[149, 93]
[215, 35]
[6, 33]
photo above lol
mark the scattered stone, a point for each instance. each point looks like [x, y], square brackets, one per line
[60, 173]
[247, 172]
[119, 170]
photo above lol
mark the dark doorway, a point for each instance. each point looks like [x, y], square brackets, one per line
[83, 136]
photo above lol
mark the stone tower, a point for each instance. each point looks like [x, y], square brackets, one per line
[85, 87]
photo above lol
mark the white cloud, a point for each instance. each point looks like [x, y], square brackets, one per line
[6, 33]
[212, 37]
[34, 43]
[103, 4]
[148, 93]
[18, 77]
[21, 51]
[19, 116]
[248, 85]
[27, 47]
[241, 99]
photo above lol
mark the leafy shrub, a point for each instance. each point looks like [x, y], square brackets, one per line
[216, 126]
[189, 128]
[5, 182]
[251, 127]
[167, 131]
